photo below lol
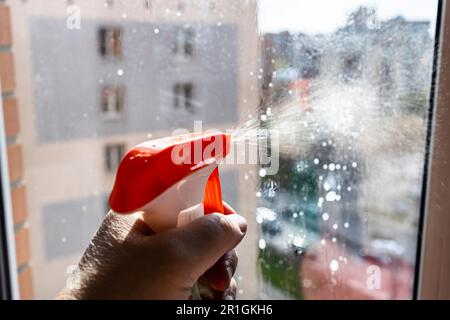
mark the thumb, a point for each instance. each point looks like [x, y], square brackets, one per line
[201, 243]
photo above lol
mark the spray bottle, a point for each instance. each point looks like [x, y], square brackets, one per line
[173, 180]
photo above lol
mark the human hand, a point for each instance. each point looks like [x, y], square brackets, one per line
[127, 260]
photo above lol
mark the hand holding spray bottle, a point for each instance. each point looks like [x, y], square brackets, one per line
[173, 180]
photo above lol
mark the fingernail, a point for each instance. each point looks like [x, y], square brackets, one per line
[239, 220]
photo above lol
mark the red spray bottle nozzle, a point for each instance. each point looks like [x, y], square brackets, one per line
[154, 166]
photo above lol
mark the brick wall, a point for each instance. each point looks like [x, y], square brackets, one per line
[11, 109]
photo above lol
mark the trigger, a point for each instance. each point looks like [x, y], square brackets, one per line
[213, 194]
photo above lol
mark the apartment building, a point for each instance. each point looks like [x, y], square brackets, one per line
[94, 78]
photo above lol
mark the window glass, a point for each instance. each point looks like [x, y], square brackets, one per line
[347, 84]
[337, 92]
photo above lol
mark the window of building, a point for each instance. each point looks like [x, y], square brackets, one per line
[112, 100]
[183, 94]
[351, 67]
[113, 155]
[184, 42]
[110, 42]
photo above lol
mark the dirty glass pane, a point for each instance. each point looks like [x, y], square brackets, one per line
[337, 91]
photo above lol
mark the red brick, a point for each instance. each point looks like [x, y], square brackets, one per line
[22, 246]
[15, 162]
[26, 284]
[19, 204]
[11, 115]
[5, 26]
[7, 76]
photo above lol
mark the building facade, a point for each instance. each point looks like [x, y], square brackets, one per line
[94, 87]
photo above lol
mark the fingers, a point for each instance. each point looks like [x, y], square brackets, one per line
[200, 244]
[218, 277]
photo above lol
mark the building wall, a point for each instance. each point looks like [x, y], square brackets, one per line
[62, 57]
[64, 135]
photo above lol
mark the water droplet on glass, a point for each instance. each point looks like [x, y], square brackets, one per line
[346, 225]
[332, 167]
[298, 241]
[331, 196]
[334, 265]
[120, 72]
[326, 186]
[262, 244]
[258, 194]
[156, 31]
[262, 173]
[316, 161]
[263, 117]
[335, 226]
[354, 164]
[325, 216]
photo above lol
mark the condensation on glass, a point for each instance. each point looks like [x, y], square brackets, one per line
[345, 85]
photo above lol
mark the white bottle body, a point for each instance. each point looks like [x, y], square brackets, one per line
[179, 204]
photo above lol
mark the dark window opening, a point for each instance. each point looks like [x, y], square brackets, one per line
[112, 100]
[113, 155]
[183, 96]
[184, 42]
[110, 42]
[352, 69]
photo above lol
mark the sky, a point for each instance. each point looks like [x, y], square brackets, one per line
[324, 16]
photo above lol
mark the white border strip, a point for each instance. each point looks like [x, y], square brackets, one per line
[10, 239]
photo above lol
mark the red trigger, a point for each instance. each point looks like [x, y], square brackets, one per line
[213, 194]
